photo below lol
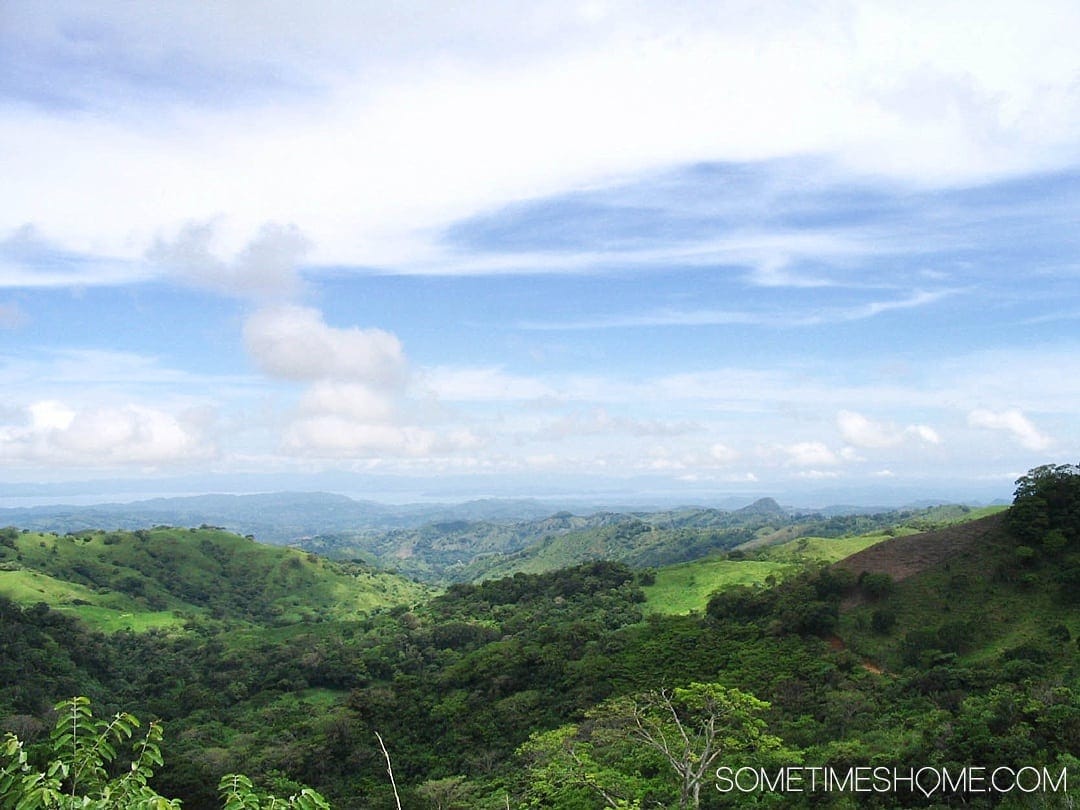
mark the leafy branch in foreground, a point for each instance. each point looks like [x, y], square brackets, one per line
[82, 752]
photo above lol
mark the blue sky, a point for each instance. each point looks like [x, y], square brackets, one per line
[690, 251]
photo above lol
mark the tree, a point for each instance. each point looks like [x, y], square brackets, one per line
[449, 793]
[575, 765]
[82, 752]
[693, 727]
[626, 743]
[1046, 498]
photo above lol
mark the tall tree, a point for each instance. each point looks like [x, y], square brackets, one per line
[693, 727]
[688, 731]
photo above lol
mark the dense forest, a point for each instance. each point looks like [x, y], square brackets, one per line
[564, 688]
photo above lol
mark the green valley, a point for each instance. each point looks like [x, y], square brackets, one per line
[551, 674]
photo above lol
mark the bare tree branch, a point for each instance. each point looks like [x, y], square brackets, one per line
[389, 769]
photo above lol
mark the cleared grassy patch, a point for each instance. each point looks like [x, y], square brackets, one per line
[31, 587]
[107, 612]
[109, 620]
[825, 549]
[686, 587]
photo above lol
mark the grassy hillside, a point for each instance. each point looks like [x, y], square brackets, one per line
[970, 591]
[686, 587]
[163, 576]
[470, 551]
[468, 688]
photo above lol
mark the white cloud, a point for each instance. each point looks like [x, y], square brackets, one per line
[265, 267]
[818, 475]
[811, 454]
[103, 437]
[860, 431]
[295, 343]
[355, 404]
[856, 429]
[355, 401]
[50, 415]
[1013, 422]
[334, 436]
[924, 433]
[383, 125]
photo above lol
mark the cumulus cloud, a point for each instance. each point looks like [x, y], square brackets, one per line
[811, 454]
[295, 343]
[55, 432]
[264, 268]
[1012, 422]
[356, 403]
[862, 432]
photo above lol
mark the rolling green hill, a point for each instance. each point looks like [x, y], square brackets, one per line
[969, 591]
[164, 576]
[934, 648]
[470, 551]
[686, 587]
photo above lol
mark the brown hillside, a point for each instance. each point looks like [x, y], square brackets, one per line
[902, 557]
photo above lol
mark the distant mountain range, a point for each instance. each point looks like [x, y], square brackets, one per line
[281, 518]
[467, 541]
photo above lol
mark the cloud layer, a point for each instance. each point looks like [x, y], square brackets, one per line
[741, 244]
[370, 142]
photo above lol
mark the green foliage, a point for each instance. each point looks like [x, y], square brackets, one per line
[76, 771]
[80, 769]
[239, 793]
[876, 585]
[154, 578]
[1047, 499]
[882, 621]
[659, 745]
[468, 551]
[548, 665]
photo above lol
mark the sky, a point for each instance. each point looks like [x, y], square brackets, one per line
[826, 252]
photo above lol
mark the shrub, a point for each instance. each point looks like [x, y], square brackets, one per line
[80, 753]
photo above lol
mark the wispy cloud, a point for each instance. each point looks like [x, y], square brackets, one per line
[540, 237]
[1013, 422]
[378, 131]
[29, 260]
[782, 319]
